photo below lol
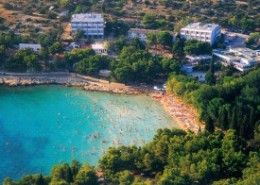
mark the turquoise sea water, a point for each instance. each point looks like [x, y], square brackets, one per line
[46, 125]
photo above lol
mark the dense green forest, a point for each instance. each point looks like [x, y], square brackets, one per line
[231, 103]
[133, 57]
[134, 63]
[173, 157]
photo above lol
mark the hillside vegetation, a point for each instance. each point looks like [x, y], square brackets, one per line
[156, 14]
[232, 103]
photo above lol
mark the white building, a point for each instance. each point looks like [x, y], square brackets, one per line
[243, 59]
[99, 48]
[141, 34]
[72, 46]
[198, 58]
[92, 24]
[62, 12]
[104, 73]
[187, 68]
[199, 75]
[203, 32]
[34, 47]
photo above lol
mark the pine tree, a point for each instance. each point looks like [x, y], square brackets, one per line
[210, 77]
[233, 120]
[209, 124]
[222, 118]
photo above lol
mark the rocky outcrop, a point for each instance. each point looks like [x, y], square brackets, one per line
[69, 80]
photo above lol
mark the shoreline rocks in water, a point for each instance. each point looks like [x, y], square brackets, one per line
[69, 80]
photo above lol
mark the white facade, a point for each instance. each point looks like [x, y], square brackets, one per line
[137, 33]
[92, 24]
[104, 73]
[200, 76]
[72, 46]
[34, 47]
[198, 58]
[243, 59]
[187, 68]
[63, 12]
[203, 32]
[99, 48]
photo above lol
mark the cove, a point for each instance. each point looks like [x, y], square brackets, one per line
[42, 126]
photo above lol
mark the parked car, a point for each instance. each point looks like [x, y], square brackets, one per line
[157, 88]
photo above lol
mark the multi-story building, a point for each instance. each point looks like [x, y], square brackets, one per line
[203, 32]
[91, 24]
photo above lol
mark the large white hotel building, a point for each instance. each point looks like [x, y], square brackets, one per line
[92, 24]
[203, 32]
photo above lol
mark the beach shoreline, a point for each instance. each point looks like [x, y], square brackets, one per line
[185, 115]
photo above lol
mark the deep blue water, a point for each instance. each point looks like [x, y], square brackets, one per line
[46, 125]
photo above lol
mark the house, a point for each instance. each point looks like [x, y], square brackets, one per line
[199, 75]
[187, 68]
[243, 59]
[141, 34]
[51, 8]
[62, 12]
[91, 24]
[203, 32]
[104, 73]
[99, 48]
[196, 59]
[34, 47]
[72, 46]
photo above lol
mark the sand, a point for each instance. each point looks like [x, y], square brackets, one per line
[185, 115]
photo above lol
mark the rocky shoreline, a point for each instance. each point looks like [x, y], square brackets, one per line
[69, 80]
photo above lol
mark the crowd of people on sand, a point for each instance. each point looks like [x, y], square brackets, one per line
[182, 113]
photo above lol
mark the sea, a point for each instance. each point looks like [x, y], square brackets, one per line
[42, 126]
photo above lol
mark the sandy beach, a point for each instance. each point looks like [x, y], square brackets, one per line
[185, 115]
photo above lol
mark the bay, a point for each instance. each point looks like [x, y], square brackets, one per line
[42, 126]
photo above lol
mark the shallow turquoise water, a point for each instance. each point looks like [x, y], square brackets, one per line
[46, 125]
